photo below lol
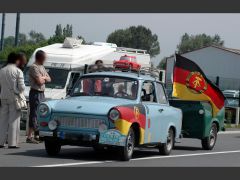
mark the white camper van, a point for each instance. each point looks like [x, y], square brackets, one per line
[65, 64]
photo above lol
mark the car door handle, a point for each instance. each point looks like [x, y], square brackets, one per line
[161, 110]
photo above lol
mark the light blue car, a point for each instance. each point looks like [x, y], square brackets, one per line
[121, 110]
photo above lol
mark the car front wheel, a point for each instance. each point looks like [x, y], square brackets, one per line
[166, 148]
[52, 147]
[127, 151]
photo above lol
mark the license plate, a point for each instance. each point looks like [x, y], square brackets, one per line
[112, 137]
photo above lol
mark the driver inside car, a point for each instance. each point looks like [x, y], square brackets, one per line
[121, 92]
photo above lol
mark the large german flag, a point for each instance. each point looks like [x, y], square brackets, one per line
[190, 83]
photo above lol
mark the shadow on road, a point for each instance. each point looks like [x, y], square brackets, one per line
[88, 154]
[187, 148]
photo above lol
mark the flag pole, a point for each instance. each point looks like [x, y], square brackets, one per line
[173, 70]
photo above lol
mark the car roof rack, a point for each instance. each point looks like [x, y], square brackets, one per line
[150, 71]
[131, 50]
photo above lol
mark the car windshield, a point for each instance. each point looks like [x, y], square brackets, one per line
[133, 59]
[58, 78]
[118, 87]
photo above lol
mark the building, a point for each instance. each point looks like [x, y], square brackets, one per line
[215, 62]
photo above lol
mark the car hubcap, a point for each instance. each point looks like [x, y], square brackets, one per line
[130, 143]
[169, 141]
[212, 137]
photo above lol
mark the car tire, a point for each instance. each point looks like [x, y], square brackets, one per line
[209, 142]
[166, 148]
[52, 147]
[127, 151]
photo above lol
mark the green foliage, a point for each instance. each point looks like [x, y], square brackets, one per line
[84, 41]
[28, 44]
[61, 34]
[28, 49]
[138, 37]
[36, 37]
[10, 40]
[193, 42]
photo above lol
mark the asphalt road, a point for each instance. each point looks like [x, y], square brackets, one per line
[187, 153]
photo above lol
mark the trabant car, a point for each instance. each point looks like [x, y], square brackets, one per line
[127, 62]
[119, 110]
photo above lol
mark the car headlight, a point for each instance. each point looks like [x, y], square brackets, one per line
[43, 110]
[201, 111]
[114, 114]
[52, 125]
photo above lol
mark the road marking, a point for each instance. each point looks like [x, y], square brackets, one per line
[72, 164]
[186, 155]
[229, 132]
[137, 159]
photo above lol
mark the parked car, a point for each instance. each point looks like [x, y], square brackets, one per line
[127, 62]
[111, 109]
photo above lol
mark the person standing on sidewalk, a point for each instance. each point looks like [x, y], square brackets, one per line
[38, 76]
[11, 83]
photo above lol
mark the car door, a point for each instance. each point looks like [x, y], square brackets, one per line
[157, 111]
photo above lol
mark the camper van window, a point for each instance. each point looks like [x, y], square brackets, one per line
[58, 76]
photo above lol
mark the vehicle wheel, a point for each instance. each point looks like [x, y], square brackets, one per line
[166, 148]
[208, 143]
[127, 151]
[52, 147]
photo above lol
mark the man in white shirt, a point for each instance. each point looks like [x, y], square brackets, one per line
[11, 83]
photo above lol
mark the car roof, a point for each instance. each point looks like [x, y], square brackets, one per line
[123, 74]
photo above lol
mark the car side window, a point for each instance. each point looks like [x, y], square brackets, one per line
[161, 94]
[148, 92]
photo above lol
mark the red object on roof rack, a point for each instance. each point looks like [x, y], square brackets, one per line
[127, 62]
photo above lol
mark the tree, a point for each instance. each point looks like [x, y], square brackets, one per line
[84, 41]
[36, 37]
[61, 34]
[138, 37]
[58, 31]
[10, 40]
[193, 42]
[67, 31]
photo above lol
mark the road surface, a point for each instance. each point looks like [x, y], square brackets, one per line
[186, 153]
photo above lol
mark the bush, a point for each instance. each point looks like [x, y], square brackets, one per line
[28, 49]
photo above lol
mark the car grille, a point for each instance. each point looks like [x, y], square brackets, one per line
[78, 122]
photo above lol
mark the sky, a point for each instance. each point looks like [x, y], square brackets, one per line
[168, 27]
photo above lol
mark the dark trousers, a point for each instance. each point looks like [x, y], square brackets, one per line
[35, 98]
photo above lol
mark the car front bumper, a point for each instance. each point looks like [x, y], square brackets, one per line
[110, 137]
